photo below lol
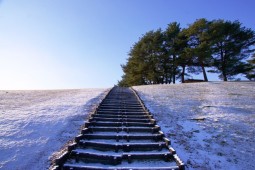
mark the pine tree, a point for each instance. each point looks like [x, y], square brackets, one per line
[231, 46]
[145, 66]
[172, 48]
[163, 57]
[198, 42]
[184, 53]
[250, 73]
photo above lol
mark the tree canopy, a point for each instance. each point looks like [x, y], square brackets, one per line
[161, 57]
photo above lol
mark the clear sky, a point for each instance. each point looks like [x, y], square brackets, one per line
[56, 44]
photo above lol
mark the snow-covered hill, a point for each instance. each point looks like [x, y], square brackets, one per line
[35, 124]
[211, 125]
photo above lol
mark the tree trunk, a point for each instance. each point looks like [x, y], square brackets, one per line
[174, 69]
[223, 65]
[204, 72]
[170, 79]
[183, 73]
[224, 74]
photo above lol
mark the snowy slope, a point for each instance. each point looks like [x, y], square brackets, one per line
[223, 138]
[35, 124]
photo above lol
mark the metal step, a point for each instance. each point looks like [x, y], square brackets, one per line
[117, 110]
[121, 112]
[144, 120]
[119, 124]
[132, 106]
[155, 137]
[125, 146]
[149, 165]
[118, 129]
[91, 154]
[122, 116]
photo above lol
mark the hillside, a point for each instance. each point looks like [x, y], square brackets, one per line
[211, 125]
[35, 124]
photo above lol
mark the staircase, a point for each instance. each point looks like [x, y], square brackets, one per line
[121, 135]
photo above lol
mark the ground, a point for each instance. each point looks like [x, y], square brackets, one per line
[211, 125]
[36, 124]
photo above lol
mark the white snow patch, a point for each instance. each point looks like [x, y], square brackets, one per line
[224, 138]
[35, 124]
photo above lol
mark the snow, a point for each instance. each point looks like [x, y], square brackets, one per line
[211, 125]
[36, 124]
[149, 164]
[120, 152]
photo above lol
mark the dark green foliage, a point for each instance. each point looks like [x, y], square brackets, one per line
[171, 45]
[198, 41]
[231, 45]
[250, 73]
[164, 56]
[146, 64]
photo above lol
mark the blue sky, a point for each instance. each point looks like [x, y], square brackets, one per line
[63, 44]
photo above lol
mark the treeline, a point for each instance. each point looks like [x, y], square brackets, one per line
[218, 46]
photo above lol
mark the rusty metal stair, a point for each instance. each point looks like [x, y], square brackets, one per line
[120, 134]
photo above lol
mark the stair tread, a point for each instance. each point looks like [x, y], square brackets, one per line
[120, 153]
[124, 165]
[126, 143]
